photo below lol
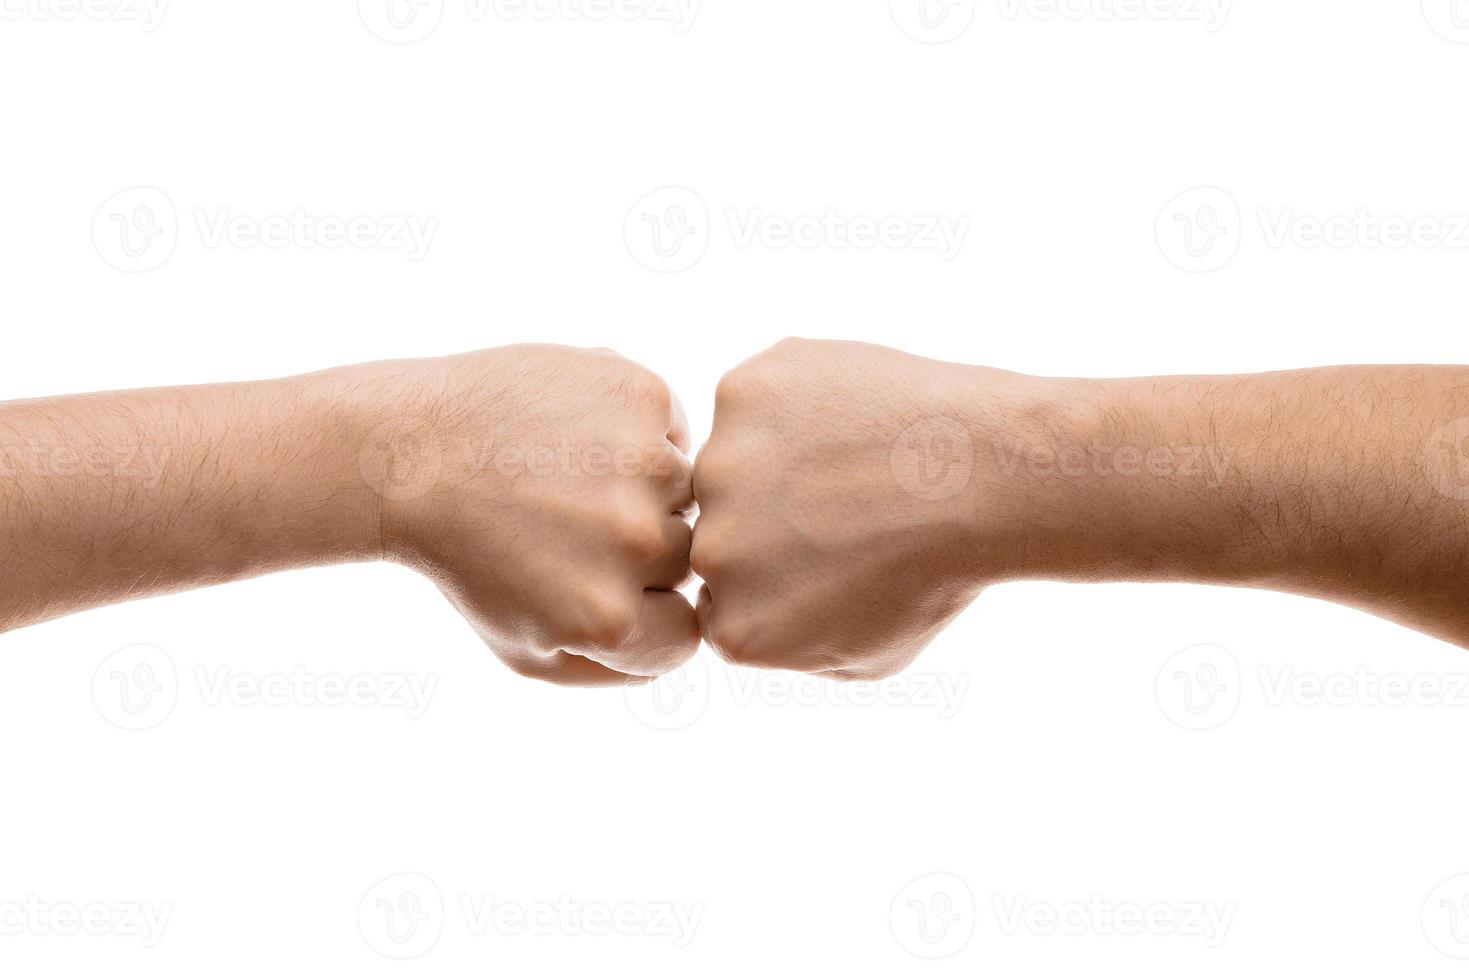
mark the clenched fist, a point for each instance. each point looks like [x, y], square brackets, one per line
[546, 491]
[839, 495]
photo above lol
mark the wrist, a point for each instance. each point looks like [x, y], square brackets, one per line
[325, 496]
[1125, 480]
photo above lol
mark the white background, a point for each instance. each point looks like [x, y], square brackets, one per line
[788, 819]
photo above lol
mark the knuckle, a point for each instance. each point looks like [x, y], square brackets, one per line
[671, 467]
[647, 388]
[640, 539]
[600, 624]
[738, 643]
[733, 389]
[707, 553]
[715, 468]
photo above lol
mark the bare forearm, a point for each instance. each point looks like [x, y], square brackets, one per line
[114, 496]
[543, 489]
[1340, 483]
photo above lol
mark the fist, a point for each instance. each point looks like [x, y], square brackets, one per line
[838, 494]
[546, 491]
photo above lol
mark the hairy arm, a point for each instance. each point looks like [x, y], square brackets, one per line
[1344, 483]
[107, 497]
[543, 489]
[855, 498]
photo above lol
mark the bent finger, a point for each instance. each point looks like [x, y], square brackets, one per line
[667, 634]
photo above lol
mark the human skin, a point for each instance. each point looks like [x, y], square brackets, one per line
[545, 490]
[854, 499]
